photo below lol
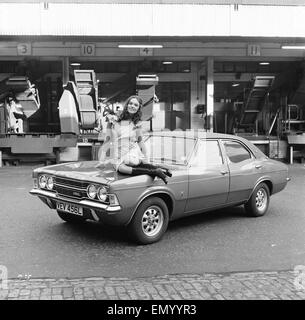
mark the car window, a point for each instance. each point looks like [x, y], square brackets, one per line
[236, 152]
[207, 154]
[169, 149]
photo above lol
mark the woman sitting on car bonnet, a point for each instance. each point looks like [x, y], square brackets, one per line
[134, 163]
[130, 126]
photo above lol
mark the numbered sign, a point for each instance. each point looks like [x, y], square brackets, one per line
[87, 49]
[254, 50]
[24, 49]
[146, 52]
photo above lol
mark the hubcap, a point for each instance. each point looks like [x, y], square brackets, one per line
[261, 199]
[152, 221]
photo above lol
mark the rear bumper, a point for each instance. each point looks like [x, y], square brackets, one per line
[52, 197]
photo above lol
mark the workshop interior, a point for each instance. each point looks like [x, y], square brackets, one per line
[220, 66]
[262, 101]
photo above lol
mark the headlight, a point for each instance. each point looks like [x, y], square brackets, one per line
[102, 193]
[50, 183]
[42, 181]
[91, 191]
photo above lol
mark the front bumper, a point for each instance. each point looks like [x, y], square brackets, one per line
[48, 195]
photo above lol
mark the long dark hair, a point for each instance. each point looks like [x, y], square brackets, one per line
[125, 115]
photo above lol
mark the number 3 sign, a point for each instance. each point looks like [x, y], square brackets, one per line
[24, 49]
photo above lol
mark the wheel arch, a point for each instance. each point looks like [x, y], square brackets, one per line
[166, 197]
[269, 185]
[267, 181]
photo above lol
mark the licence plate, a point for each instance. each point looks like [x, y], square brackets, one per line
[71, 208]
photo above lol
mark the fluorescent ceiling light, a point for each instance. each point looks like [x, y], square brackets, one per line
[167, 62]
[146, 75]
[293, 47]
[264, 63]
[75, 64]
[140, 46]
[235, 84]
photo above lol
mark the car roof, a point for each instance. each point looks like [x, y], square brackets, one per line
[201, 134]
[194, 134]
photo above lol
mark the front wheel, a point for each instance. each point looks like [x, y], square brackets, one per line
[150, 221]
[69, 217]
[258, 204]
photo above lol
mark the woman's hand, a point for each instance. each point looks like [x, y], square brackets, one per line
[112, 118]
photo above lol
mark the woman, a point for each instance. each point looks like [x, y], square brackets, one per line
[127, 125]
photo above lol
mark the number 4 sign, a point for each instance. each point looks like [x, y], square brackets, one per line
[146, 52]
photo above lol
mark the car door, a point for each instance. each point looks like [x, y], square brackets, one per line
[208, 177]
[244, 170]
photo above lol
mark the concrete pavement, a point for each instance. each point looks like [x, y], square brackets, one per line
[260, 238]
[280, 285]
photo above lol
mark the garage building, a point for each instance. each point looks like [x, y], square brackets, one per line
[225, 66]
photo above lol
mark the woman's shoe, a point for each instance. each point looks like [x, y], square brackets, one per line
[160, 173]
[168, 173]
[166, 170]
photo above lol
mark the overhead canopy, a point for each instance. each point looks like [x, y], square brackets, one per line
[154, 18]
[218, 2]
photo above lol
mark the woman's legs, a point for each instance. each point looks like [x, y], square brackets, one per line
[151, 166]
[123, 168]
[142, 168]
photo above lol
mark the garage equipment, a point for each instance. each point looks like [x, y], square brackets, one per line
[29, 145]
[87, 88]
[79, 103]
[254, 101]
[78, 113]
[146, 91]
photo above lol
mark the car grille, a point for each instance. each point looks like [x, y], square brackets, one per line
[78, 194]
[71, 183]
[71, 188]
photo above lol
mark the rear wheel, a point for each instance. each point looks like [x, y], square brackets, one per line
[258, 204]
[150, 221]
[69, 217]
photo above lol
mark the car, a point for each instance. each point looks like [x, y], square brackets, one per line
[209, 171]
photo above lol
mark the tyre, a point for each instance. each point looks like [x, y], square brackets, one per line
[69, 217]
[150, 221]
[258, 204]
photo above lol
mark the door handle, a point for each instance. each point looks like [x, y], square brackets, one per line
[223, 172]
[258, 166]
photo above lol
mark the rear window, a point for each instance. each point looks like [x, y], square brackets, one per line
[236, 152]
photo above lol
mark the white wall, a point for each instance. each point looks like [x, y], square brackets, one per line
[98, 19]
